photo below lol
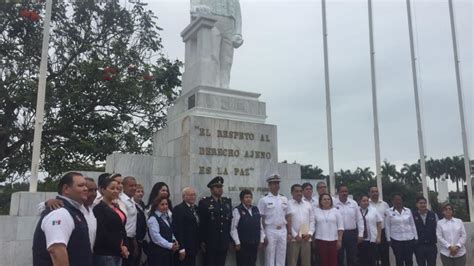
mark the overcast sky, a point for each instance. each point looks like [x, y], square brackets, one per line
[282, 58]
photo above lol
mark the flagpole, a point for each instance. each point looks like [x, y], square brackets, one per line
[465, 145]
[374, 103]
[417, 106]
[332, 178]
[41, 99]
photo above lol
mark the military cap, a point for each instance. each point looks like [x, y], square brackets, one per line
[218, 180]
[274, 178]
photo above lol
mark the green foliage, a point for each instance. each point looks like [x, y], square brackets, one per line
[406, 182]
[108, 85]
[6, 192]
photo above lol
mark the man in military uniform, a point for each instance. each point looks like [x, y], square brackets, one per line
[276, 220]
[215, 215]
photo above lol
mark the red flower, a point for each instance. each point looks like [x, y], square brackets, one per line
[24, 13]
[34, 16]
[147, 77]
[106, 78]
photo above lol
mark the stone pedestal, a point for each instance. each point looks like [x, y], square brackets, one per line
[200, 65]
[210, 132]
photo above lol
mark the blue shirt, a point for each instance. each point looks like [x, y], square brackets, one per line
[154, 229]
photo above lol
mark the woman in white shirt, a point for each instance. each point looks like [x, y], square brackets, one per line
[163, 244]
[452, 238]
[372, 232]
[401, 232]
[328, 232]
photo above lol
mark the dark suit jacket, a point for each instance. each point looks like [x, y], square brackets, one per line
[185, 228]
[110, 231]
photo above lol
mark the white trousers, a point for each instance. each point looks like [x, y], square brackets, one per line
[275, 252]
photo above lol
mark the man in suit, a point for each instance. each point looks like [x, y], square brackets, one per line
[186, 228]
[215, 214]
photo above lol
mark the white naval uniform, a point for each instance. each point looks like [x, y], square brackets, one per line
[275, 209]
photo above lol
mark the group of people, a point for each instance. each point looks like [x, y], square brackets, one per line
[108, 224]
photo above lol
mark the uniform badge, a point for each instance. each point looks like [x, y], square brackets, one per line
[211, 207]
[57, 222]
[78, 218]
[243, 213]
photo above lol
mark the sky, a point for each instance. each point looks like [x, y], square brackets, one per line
[282, 58]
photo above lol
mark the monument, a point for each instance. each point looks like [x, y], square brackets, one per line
[212, 129]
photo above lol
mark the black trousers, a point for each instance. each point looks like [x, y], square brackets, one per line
[247, 255]
[314, 253]
[403, 251]
[188, 260]
[137, 259]
[366, 253]
[426, 254]
[349, 248]
[160, 259]
[383, 251]
[131, 249]
[215, 257]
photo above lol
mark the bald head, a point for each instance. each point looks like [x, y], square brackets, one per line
[189, 195]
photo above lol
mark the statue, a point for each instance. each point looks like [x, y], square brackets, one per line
[226, 35]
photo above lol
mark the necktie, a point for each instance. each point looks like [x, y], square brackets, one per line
[193, 210]
[167, 219]
[365, 222]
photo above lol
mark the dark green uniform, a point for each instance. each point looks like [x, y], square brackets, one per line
[215, 217]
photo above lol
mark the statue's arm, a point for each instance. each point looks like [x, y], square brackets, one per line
[238, 19]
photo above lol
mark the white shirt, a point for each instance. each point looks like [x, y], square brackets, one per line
[154, 230]
[400, 226]
[381, 207]
[235, 221]
[91, 223]
[451, 233]
[327, 224]
[57, 227]
[59, 224]
[274, 209]
[351, 215]
[301, 215]
[313, 201]
[88, 215]
[372, 218]
[129, 205]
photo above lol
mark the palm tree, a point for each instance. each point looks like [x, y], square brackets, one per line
[458, 170]
[310, 172]
[435, 171]
[364, 174]
[411, 173]
[389, 171]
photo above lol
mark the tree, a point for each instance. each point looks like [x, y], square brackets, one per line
[389, 171]
[108, 85]
[435, 171]
[364, 174]
[310, 172]
[411, 173]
